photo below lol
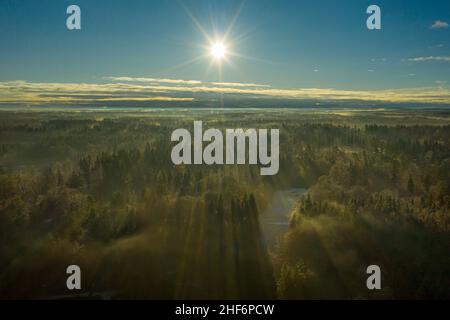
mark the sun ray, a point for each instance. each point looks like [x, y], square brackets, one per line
[233, 21]
[184, 64]
[195, 21]
[243, 56]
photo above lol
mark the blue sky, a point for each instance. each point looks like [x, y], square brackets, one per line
[282, 43]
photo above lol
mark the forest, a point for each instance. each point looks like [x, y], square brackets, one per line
[97, 188]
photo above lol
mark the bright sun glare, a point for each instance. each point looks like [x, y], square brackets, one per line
[218, 50]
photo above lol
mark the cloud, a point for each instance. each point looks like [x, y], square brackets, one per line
[153, 80]
[131, 99]
[236, 84]
[32, 93]
[437, 46]
[429, 58]
[183, 82]
[438, 24]
[378, 60]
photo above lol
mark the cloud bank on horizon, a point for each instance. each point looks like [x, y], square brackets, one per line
[130, 91]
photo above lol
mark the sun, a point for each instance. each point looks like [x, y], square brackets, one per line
[218, 50]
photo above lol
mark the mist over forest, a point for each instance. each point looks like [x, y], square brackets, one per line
[96, 188]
